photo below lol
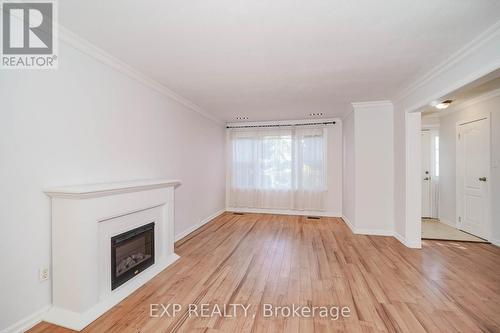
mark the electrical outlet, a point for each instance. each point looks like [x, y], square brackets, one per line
[43, 274]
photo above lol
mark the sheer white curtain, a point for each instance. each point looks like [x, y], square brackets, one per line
[278, 168]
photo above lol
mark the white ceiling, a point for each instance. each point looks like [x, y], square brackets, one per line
[280, 59]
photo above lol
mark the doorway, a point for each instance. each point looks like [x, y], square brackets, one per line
[460, 185]
[460, 164]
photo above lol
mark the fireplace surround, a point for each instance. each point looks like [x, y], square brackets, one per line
[86, 220]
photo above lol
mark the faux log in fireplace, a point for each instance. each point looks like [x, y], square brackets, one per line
[131, 253]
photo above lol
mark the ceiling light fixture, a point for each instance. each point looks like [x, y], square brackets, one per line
[318, 114]
[443, 105]
[241, 118]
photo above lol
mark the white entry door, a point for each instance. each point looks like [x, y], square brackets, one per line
[430, 173]
[426, 174]
[473, 158]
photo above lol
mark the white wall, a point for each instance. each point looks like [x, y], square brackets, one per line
[369, 165]
[333, 201]
[87, 123]
[399, 173]
[430, 121]
[348, 185]
[374, 168]
[447, 154]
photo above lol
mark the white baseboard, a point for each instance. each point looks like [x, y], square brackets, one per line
[349, 224]
[495, 241]
[406, 243]
[400, 238]
[78, 321]
[198, 225]
[283, 212]
[374, 232]
[379, 232]
[362, 231]
[27, 322]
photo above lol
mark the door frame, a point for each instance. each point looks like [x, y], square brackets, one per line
[459, 174]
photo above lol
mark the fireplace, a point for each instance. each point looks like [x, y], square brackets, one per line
[84, 220]
[131, 253]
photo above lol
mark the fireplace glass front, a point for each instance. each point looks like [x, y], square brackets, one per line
[131, 253]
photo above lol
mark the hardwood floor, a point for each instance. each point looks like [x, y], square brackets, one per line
[256, 259]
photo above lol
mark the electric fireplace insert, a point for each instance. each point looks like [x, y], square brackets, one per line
[131, 253]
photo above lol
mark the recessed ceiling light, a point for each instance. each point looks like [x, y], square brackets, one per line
[317, 114]
[241, 118]
[442, 105]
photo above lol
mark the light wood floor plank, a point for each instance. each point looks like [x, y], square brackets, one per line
[283, 260]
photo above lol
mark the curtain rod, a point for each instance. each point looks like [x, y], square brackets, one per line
[283, 125]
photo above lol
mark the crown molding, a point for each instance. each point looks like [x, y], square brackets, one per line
[478, 42]
[478, 99]
[372, 104]
[72, 39]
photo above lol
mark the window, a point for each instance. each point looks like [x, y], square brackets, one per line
[312, 150]
[277, 168]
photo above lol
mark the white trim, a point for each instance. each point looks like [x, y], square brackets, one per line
[400, 238]
[374, 232]
[424, 101]
[478, 99]
[78, 321]
[476, 44]
[380, 232]
[405, 242]
[81, 44]
[282, 212]
[284, 122]
[371, 232]
[349, 224]
[27, 322]
[104, 189]
[372, 104]
[495, 242]
[199, 225]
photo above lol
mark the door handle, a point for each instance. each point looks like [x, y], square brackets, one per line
[426, 178]
[482, 179]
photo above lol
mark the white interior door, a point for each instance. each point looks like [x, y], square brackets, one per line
[473, 152]
[426, 174]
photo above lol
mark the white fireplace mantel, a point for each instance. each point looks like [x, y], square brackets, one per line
[103, 189]
[84, 218]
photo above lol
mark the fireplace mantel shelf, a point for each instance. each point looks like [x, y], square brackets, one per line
[104, 189]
